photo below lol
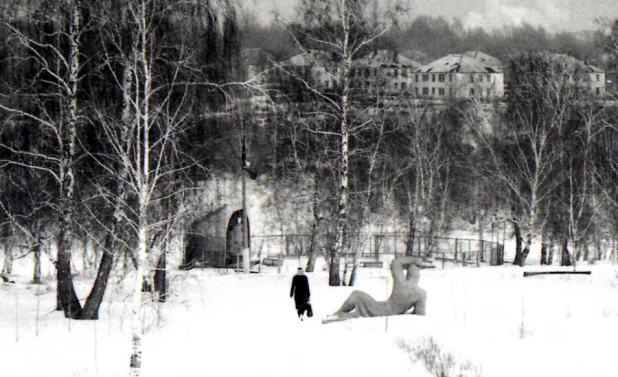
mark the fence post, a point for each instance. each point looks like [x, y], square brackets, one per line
[482, 251]
[456, 242]
[469, 249]
[279, 262]
[443, 259]
[463, 259]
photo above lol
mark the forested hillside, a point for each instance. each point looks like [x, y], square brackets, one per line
[426, 38]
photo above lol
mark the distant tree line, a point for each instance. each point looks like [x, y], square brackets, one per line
[427, 38]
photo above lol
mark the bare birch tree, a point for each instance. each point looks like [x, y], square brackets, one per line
[56, 56]
[342, 29]
[523, 152]
[158, 79]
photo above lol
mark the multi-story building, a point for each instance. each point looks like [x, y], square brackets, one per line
[611, 84]
[586, 80]
[472, 74]
[589, 80]
[383, 71]
[459, 76]
[485, 59]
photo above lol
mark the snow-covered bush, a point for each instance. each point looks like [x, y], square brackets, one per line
[439, 363]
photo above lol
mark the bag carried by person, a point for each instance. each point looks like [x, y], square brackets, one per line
[309, 310]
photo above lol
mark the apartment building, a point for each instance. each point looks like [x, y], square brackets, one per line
[459, 76]
[383, 71]
[588, 79]
[472, 74]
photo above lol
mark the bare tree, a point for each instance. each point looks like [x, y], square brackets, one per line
[53, 107]
[342, 30]
[158, 79]
[523, 151]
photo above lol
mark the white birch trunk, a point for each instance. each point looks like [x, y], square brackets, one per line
[66, 174]
[143, 95]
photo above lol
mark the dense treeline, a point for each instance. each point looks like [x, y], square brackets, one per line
[110, 111]
[113, 112]
[427, 38]
[539, 162]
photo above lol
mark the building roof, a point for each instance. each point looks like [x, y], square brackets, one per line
[570, 61]
[387, 58]
[484, 58]
[458, 63]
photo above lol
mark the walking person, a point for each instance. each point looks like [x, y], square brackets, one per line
[300, 291]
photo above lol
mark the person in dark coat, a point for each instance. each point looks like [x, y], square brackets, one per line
[300, 291]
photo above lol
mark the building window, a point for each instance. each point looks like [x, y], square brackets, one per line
[425, 91]
[480, 78]
[441, 91]
[403, 86]
[416, 77]
[395, 73]
[450, 78]
[598, 91]
[433, 91]
[471, 78]
[416, 91]
[433, 78]
[472, 92]
[598, 78]
[488, 77]
[404, 72]
[394, 85]
[425, 78]
[441, 77]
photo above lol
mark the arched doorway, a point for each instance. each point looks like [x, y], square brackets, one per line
[234, 237]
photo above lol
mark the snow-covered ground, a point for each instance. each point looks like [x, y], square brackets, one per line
[220, 323]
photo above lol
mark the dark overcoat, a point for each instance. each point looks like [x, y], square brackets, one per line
[300, 291]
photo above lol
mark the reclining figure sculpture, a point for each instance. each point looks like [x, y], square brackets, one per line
[406, 294]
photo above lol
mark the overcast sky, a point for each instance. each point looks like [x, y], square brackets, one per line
[553, 15]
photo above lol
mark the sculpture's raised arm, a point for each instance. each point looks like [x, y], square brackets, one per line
[399, 264]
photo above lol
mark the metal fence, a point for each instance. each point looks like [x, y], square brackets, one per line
[377, 246]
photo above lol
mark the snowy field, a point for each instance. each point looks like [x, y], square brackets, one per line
[220, 323]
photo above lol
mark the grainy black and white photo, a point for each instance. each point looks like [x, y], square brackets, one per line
[275, 188]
